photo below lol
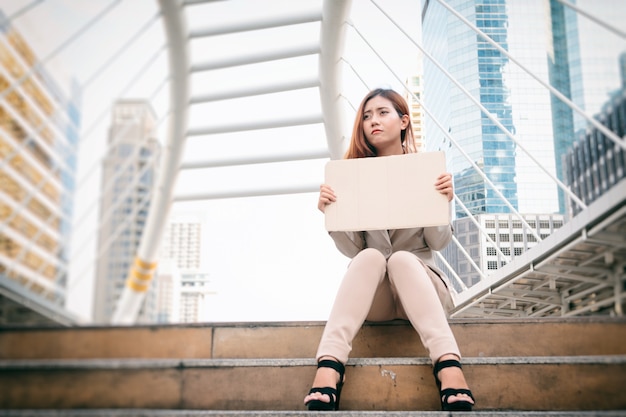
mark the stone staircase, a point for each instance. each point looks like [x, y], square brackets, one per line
[544, 367]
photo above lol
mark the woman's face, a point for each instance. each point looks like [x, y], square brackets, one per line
[382, 126]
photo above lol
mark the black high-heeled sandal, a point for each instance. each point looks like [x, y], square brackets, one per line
[459, 405]
[333, 393]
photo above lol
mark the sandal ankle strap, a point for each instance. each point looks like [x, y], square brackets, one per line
[337, 366]
[446, 364]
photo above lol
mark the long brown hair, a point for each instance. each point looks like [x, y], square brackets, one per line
[359, 146]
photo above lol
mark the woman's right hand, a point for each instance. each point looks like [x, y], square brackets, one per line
[327, 196]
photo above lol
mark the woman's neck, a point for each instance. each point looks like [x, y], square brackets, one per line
[396, 149]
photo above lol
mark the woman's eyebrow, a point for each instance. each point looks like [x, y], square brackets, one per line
[377, 109]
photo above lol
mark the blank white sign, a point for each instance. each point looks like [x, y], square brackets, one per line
[389, 192]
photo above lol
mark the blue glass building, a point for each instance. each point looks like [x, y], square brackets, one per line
[543, 40]
[524, 151]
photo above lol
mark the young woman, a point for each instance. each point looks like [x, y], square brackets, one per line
[392, 274]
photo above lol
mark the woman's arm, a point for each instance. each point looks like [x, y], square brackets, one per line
[444, 185]
[438, 237]
[327, 196]
[348, 243]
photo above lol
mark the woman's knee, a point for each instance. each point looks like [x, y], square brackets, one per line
[370, 255]
[401, 262]
[371, 260]
[402, 258]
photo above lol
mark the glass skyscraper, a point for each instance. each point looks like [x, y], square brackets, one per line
[542, 39]
[523, 150]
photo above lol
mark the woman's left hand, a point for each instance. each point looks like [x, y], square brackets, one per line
[444, 185]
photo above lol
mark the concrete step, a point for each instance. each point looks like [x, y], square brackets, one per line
[224, 413]
[480, 338]
[551, 383]
[518, 366]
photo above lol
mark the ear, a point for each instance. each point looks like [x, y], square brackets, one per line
[405, 121]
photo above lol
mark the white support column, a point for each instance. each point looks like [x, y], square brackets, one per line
[144, 266]
[332, 40]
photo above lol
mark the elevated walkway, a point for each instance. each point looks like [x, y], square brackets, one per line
[580, 269]
[566, 367]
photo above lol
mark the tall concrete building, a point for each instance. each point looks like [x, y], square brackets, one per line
[182, 241]
[128, 175]
[415, 86]
[195, 288]
[182, 287]
[505, 238]
[167, 286]
[39, 124]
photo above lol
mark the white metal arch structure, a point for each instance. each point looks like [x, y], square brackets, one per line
[332, 38]
[330, 50]
[144, 265]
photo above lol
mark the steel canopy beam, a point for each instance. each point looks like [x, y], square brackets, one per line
[258, 24]
[258, 159]
[256, 91]
[258, 57]
[252, 192]
[258, 125]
